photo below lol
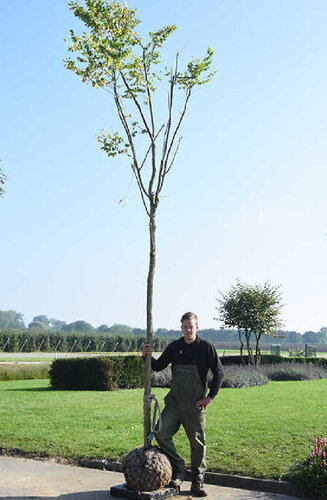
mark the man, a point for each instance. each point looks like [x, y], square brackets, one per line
[186, 403]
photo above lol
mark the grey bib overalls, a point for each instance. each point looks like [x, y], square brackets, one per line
[186, 390]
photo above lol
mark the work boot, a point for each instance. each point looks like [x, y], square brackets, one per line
[197, 488]
[177, 478]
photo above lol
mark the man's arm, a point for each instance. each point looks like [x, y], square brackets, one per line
[218, 376]
[162, 362]
[217, 371]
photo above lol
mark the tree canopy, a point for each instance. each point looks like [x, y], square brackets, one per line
[252, 309]
[78, 326]
[11, 319]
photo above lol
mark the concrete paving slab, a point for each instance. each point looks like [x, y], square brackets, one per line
[32, 479]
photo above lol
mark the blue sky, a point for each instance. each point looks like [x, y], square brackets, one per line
[246, 197]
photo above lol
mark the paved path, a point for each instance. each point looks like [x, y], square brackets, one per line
[31, 479]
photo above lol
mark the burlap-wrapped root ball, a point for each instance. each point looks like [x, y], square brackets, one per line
[146, 469]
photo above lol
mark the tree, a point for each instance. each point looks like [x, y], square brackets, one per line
[252, 309]
[42, 318]
[3, 178]
[57, 324]
[111, 55]
[310, 337]
[322, 335]
[120, 330]
[11, 319]
[103, 328]
[37, 326]
[293, 337]
[78, 326]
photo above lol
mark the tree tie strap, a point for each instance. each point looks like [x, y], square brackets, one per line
[156, 426]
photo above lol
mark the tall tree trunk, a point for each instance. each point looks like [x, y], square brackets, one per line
[149, 328]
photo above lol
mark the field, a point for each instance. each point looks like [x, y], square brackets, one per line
[34, 357]
[258, 431]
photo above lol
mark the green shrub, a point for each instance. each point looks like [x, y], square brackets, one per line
[312, 474]
[103, 373]
[24, 372]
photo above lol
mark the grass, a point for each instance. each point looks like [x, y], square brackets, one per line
[24, 371]
[257, 431]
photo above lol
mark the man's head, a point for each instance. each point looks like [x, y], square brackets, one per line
[189, 325]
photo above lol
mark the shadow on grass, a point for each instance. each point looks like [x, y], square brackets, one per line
[29, 389]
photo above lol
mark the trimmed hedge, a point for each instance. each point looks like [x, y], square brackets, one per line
[267, 359]
[103, 373]
[108, 373]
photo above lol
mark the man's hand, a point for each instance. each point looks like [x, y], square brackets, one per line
[203, 403]
[147, 349]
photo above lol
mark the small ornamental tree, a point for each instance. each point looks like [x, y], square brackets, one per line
[111, 55]
[3, 178]
[252, 309]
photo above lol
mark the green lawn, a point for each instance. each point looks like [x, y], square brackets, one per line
[257, 431]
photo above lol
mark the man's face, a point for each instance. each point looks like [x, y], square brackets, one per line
[189, 329]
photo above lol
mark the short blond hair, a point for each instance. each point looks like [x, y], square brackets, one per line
[189, 315]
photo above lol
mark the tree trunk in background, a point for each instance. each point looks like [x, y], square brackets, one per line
[149, 328]
[241, 344]
[257, 349]
[248, 345]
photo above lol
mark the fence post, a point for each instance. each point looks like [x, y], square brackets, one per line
[55, 350]
[20, 350]
[87, 346]
[72, 347]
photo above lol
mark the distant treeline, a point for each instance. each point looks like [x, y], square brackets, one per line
[43, 327]
[231, 336]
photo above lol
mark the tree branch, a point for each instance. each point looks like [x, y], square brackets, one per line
[149, 94]
[138, 177]
[162, 178]
[149, 148]
[188, 95]
[175, 153]
[135, 167]
[161, 175]
[137, 104]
